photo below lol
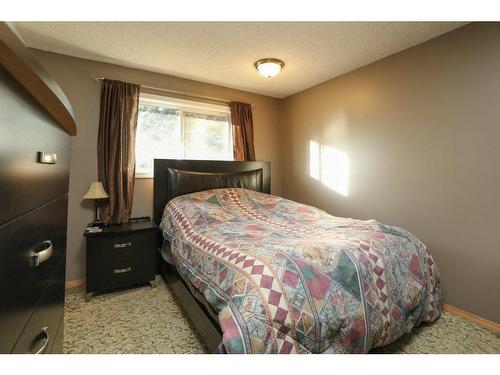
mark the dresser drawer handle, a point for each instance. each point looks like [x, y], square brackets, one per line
[42, 252]
[122, 270]
[122, 245]
[44, 335]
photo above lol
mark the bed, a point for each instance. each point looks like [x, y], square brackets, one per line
[259, 273]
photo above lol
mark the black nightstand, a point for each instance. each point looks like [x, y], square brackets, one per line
[120, 256]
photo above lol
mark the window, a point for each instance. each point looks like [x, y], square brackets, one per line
[180, 129]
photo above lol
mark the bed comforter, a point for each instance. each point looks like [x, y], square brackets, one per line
[289, 278]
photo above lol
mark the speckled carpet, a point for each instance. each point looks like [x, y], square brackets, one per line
[146, 320]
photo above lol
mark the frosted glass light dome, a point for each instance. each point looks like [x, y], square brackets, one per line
[269, 67]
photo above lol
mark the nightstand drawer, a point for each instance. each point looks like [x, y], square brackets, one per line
[117, 276]
[120, 260]
[122, 243]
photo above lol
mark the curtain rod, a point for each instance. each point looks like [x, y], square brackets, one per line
[98, 79]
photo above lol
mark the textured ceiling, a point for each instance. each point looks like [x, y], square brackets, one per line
[224, 52]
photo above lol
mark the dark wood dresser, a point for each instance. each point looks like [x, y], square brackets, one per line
[34, 204]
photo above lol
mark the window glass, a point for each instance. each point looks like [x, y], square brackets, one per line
[207, 136]
[171, 130]
[158, 136]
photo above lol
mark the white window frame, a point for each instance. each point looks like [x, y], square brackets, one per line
[183, 105]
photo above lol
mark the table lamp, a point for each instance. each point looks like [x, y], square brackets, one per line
[96, 192]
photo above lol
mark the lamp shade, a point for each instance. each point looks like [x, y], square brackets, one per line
[96, 191]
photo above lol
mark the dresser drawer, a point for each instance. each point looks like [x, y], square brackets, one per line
[25, 129]
[121, 260]
[27, 263]
[40, 332]
[57, 347]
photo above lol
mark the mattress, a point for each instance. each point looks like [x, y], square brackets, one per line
[284, 277]
[166, 253]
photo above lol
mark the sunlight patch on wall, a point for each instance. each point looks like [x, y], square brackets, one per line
[314, 166]
[330, 166]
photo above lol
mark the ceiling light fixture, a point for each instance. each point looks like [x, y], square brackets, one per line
[269, 67]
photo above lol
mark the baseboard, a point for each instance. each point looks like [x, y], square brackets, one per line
[74, 283]
[488, 324]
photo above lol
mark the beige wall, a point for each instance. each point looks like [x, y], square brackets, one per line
[421, 130]
[73, 75]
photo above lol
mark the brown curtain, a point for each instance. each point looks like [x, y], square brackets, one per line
[241, 118]
[116, 148]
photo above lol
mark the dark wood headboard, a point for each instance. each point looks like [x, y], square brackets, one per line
[178, 177]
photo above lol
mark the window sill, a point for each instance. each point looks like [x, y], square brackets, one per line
[144, 175]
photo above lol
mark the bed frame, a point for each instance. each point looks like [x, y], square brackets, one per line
[178, 177]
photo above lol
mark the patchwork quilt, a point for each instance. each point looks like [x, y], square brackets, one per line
[289, 278]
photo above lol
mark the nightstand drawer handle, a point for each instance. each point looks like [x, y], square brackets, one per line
[122, 245]
[122, 270]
